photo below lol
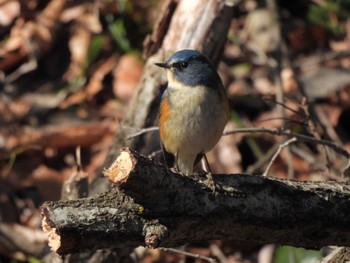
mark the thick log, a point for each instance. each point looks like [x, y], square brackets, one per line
[157, 207]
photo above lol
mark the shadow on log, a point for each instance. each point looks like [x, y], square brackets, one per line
[155, 207]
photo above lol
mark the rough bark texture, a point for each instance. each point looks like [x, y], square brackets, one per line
[156, 207]
[197, 24]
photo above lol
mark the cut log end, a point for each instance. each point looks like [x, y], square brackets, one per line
[54, 239]
[120, 170]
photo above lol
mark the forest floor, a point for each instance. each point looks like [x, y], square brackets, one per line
[69, 69]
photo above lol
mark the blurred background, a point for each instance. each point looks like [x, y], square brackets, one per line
[68, 70]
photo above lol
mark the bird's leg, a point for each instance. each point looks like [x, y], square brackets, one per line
[176, 162]
[206, 168]
[176, 165]
[205, 164]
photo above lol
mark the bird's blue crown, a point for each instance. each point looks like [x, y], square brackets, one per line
[192, 68]
[186, 55]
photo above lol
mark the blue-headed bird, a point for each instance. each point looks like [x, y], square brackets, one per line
[193, 112]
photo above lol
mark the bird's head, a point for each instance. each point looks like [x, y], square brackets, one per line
[190, 68]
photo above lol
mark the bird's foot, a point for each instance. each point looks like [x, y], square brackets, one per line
[174, 170]
[210, 182]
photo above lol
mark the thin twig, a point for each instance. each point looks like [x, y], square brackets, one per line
[282, 105]
[280, 55]
[306, 63]
[289, 134]
[216, 251]
[78, 158]
[252, 169]
[277, 132]
[285, 144]
[153, 154]
[188, 254]
[283, 119]
[304, 155]
[142, 131]
[29, 66]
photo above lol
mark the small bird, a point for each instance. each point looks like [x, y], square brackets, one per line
[193, 112]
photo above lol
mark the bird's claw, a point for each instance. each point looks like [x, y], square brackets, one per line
[210, 182]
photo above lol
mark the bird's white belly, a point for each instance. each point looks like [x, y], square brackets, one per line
[199, 123]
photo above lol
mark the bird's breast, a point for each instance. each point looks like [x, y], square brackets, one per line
[192, 118]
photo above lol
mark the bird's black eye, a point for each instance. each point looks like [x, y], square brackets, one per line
[184, 64]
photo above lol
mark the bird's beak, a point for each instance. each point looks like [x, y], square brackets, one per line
[163, 65]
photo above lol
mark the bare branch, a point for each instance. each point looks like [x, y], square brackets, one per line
[288, 133]
[280, 147]
[155, 207]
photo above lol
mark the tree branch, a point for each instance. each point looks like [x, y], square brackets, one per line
[291, 134]
[158, 208]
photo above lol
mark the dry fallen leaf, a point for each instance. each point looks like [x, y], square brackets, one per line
[94, 86]
[86, 24]
[127, 75]
[62, 136]
[9, 10]
[262, 29]
[31, 37]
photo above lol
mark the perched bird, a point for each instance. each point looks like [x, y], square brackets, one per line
[193, 112]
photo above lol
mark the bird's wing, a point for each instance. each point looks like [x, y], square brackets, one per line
[168, 157]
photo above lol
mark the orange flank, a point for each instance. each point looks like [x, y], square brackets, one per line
[163, 116]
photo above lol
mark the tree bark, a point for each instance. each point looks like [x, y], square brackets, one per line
[158, 208]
